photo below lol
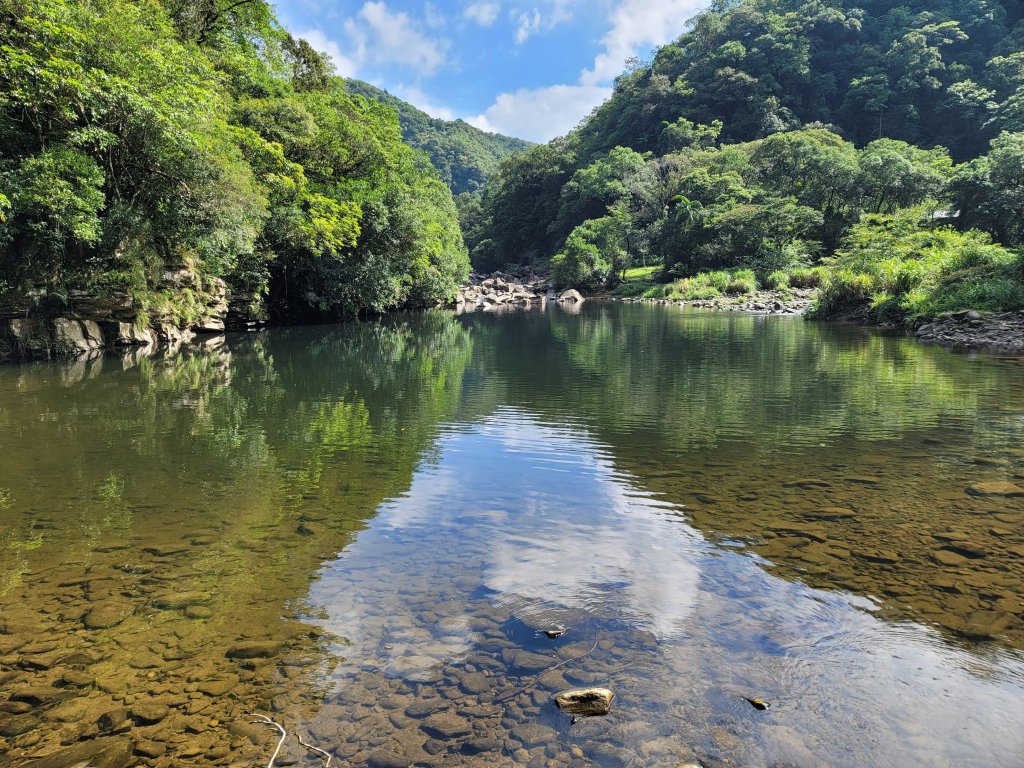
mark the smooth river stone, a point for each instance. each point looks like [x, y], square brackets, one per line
[532, 734]
[585, 701]
[254, 649]
[106, 614]
[996, 489]
[104, 752]
[446, 726]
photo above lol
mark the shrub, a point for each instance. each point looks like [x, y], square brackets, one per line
[778, 280]
[743, 282]
[904, 269]
[806, 277]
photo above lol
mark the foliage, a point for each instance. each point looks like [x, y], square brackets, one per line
[763, 135]
[908, 268]
[464, 156]
[713, 285]
[139, 138]
[989, 192]
[778, 280]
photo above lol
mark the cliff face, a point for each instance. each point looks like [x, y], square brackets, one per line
[88, 323]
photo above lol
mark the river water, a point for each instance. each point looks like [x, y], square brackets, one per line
[363, 531]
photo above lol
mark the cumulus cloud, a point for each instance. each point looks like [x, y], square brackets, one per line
[540, 114]
[343, 65]
[484, 14]
[389, 37]
[638, 24]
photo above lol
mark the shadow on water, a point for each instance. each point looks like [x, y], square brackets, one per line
[364, 531]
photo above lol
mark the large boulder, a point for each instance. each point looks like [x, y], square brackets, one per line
[571, 296]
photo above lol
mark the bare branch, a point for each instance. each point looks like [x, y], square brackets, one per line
[284, 735]
[316, 749]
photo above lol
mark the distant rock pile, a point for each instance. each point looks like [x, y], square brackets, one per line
[501, 290]
[971, 328]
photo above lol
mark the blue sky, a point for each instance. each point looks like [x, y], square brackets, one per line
[531, 69]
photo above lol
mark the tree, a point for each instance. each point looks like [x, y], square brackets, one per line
[989, 192]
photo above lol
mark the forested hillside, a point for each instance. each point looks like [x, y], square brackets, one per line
[151, 151]
[776, 134]
[464, 156]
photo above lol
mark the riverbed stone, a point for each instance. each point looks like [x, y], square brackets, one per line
[15, 725]
[585, 701]
[997, 488]
[254, 649]
[149, 712]
[481, 745]
[424, 708]
[525, 661]
[218, 687]
[107, 614]
[104, 752]
[475, 683]
[385, 759]
[532, 734]
[148, 748]
[445, 725]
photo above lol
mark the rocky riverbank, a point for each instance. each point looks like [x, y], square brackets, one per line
[1003, 332]
[88, 324]
[500, 291]
[794, 301]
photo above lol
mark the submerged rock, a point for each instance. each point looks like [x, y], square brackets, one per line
[996, 489]
[254, 649]
[104, 752]
[585, 701]
[446, 726]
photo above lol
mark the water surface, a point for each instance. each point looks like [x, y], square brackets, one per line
[364, 530]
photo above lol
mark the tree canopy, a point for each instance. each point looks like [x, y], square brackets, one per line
[140, 137]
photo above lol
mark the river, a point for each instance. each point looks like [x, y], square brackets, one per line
[779, 543]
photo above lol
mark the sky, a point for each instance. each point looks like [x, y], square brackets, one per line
[531, 69]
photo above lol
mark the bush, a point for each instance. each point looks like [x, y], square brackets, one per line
[742, 283]
[904, 269]
[778, 281]
[806, 277]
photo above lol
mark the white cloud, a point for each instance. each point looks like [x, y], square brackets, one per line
[637, 24]
[343, 65]
[389, 37]
[419, 99]
[434, 16]
[540, 114]
[484, 14]
[527, 24]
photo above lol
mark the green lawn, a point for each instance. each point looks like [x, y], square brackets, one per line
[641, 273]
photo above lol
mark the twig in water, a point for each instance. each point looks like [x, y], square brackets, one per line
[315, 749]
[284, 735]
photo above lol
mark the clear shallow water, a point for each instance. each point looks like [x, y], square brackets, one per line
[384, 516]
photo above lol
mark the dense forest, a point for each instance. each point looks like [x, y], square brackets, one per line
[883, 140]
[464, 156]
[156, 152]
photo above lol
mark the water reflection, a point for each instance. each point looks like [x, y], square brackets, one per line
[518, 526]
[362, 528]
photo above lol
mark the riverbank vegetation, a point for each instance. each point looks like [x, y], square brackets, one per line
[152, 151]
[876, 150]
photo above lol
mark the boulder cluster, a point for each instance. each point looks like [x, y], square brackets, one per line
[971, 328]
[497, 290]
